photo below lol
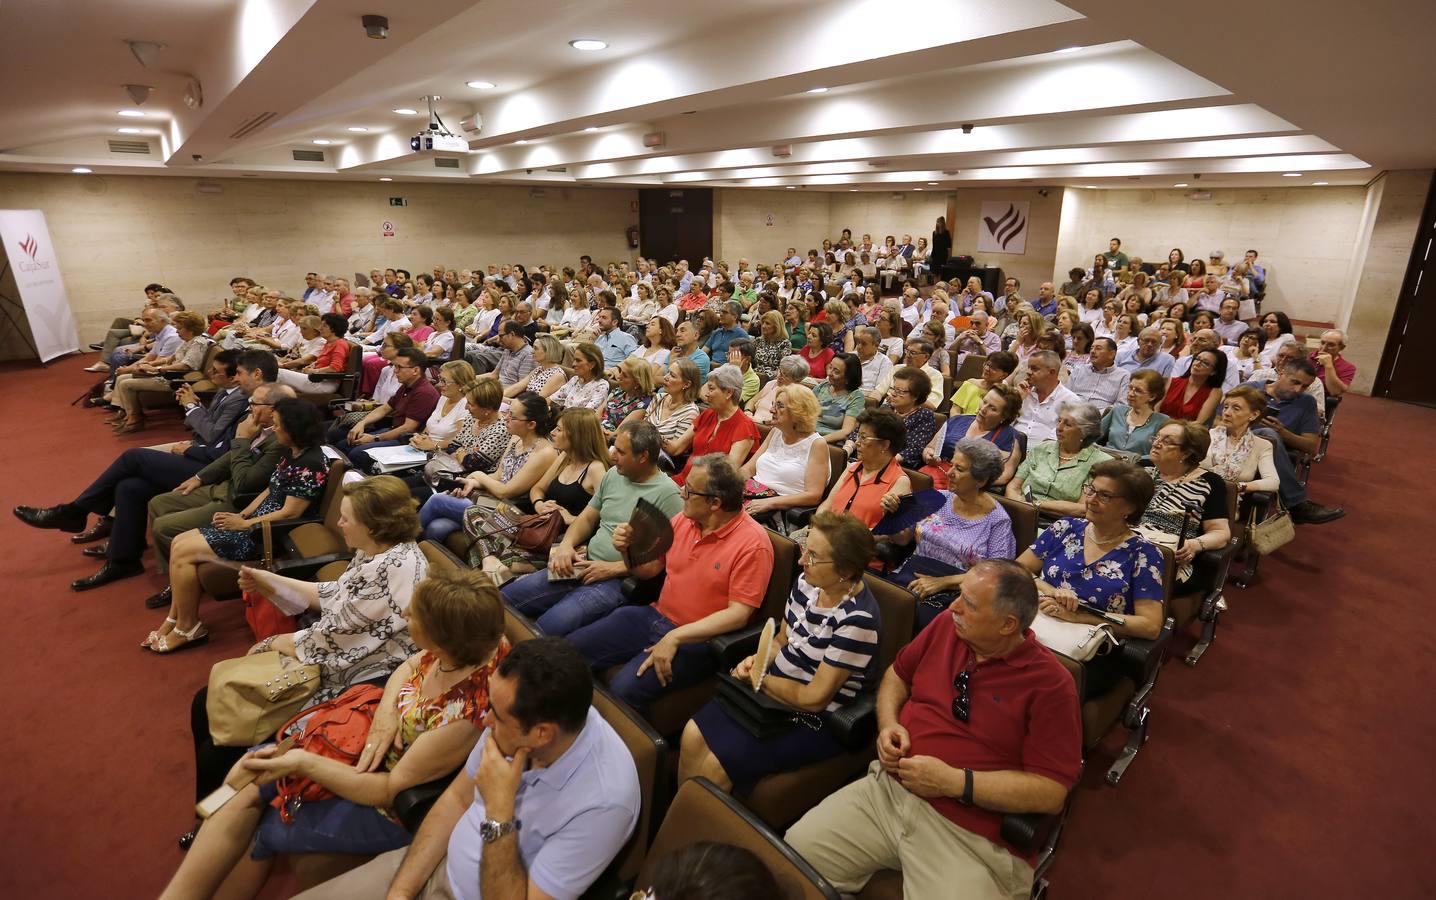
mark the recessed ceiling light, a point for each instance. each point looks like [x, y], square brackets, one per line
[358, 129]
[386, 178]
[592, 128]
[520, 142]
[130, 114]
[81, 170]
[1290, 174]
[932, 184]
[1069, 49]
[1180, 184]
[1319, 183]
[406, 111]
[818, 90]
[852, 190]
[792, 187]
[480, 85]
[131, 131]
[587, 44]
[1090, 187]
[917, 189]
[321, 141]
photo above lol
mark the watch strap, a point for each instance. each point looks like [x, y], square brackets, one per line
[966, 787]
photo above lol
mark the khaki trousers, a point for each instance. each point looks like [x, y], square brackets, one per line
[129, 387]
[173, 513]
[875, 824]
[371, 880]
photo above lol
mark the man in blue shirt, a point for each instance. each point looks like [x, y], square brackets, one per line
[1291, 423]
[547, 800]
[1148, 354]
[615, 343]
[686, 344]
[726, 333]
[1046, 302]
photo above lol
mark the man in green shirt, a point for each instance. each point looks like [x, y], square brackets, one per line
[576, 588]
[1116, 259]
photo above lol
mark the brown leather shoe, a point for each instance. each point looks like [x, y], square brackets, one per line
[97, 532]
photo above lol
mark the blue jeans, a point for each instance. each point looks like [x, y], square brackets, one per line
[623, 637]
[1292, 493]
[442, 515]
[562, 607]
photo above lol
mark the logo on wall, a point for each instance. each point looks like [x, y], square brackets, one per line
[30, 246]
[1003, 226]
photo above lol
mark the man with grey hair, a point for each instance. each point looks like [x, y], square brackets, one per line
[1042, 393]
[1332, 369]
[980, 338]
[1148, 354]
[584, 578]
[728, 331]
[867, 340]
[976, 719]
[1206, 339]
[163, 340]
[716, 575]
[1099, 381]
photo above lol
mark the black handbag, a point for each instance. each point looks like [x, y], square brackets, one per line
[757, 713]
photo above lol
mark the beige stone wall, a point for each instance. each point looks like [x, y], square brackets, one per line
[114, 234]
[1035, 264]
[881, 214]
[800, 219]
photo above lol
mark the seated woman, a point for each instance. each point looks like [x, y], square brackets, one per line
[565, 487]
[1182, 485]
[640, 305]
[1101, 562]
[297, 482]
[147, 376]
[424, 727]
[587, 387]
[1236, 454]
[889, 324]
[992, 422]
[970, 527]
[1054, 471]
[449, 418]
[1195, 396]
[792, 370]
[439, 343]
[1030, 325]
[332, 358]
[824, 658]
[935, 333]
[840, 398]
[658, 340]
[421, 324]
[771, 346]
[674, 410]
[875, 484]
[1130, 426]
[547, 375]
[795, 317]
[721, 428]
[1276, 333]
[911, 386]
[997, 369]
[845, 322]
[630, 398]
[1079, 347]
[790, 468]
[527, 457]
[1246, 356]
[816, 352]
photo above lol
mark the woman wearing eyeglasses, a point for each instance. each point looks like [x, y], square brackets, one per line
[1189, 507]
[910, 388]
[823, 660]
[992, 422]
[1101, 562]
[876, 483]
[1054, 471]
[1194, 396]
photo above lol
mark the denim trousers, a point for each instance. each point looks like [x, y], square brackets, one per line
[442, 515]
[562, 607]
[623, 637]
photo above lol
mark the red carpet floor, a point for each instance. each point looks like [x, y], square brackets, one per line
[1295, 761]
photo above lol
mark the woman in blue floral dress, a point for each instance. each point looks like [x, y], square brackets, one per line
[297, 481]
[1101, 563]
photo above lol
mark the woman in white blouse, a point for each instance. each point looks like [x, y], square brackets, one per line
[791, 465]
[451, 413]
[440, 344]
[1235, 453]
[488, 311]
[640, 305]
[658, 340]
[307, 349]
[667, 307]
[587, 386]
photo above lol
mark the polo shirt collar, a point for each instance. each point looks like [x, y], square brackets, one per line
[571, 762]
[721, 532]
[1024, 655]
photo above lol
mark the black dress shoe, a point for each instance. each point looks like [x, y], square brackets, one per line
[63, 517]
[112, 570]
[99, 530]
[99, 551]
[163, 598]
[1312, 513]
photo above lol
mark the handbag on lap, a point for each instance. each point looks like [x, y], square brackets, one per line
[250, 697]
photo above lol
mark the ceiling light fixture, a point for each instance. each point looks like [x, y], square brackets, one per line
[521, 142]
[587, 44]
[1319, 183]
[932, 184]
[81, 170]
[406, 111]
[358, 129]
[591, 129]
[1090, 187]
[480, 85]
[852, 190]
[386, 178]
[792, 187]
[322, 142]
[128, 130]
[917, 189]
[1069, 49]
[1290, 174]
[130, 114]
[818, 90]
[1180, 184]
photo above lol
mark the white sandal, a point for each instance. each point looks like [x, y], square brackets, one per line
[195, 637]
[149, 642]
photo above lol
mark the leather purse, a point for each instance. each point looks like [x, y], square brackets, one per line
[250, 697]
[1272, 533]
[757, 713]
[1075, 640]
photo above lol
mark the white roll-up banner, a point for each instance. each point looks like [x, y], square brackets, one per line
[36, 271]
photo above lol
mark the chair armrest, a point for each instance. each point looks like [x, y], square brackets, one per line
[1028, 832]
[735, 646]
[856, 723]
[1142, 659]
[641, 591]
[412, 805]
[328, 376]
[892, 555]
[304, 569]
[281, 527]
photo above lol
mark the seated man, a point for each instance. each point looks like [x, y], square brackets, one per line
[574, 591]
[1290, 424]
[1042, 393]
[717, 573]
[1289, 353]
[976, 719]
[1100, 381]
[1333, 369]
[407, 410]
[548, 798]
[235, 375]
[728, 331]
[1205, 339]
[867, 341]
[1148, 354]
[513, 364]
[918, 354]
[615, 343]
[160, 340]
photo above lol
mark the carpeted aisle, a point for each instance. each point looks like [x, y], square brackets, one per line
[1293, 762]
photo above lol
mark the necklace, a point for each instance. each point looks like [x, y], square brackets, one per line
[448, 671]
[1097, 539]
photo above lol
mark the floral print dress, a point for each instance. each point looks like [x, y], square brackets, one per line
[301, 477]
[1129, 572]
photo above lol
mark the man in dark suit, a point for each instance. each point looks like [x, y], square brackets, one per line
[134, 477]
[213, 423]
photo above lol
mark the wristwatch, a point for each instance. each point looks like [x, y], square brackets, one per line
[491, 830]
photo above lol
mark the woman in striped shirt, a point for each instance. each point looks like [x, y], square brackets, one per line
[824, 658]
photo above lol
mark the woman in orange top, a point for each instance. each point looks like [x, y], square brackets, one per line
[876, 483]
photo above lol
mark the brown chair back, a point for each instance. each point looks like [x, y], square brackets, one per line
[700, 812]
[650, 756]
[785, 572]
[1024, 520]
[898, 606]
[837, 461]
[440, 559]
[971, 368]
[921, 481]
[517, 626]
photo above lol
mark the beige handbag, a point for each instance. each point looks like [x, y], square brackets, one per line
[1272, 533]
[251, 696]
[1077, 641]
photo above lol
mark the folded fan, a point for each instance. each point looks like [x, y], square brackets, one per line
[912, 510]
[652, 535]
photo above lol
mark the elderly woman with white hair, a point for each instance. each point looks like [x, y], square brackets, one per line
[792, 370]
[723, 427]
[1055, 472]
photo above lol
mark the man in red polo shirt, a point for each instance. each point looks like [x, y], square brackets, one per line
[976, 719]
[1334, 370]
[406, 412]
[717, 573]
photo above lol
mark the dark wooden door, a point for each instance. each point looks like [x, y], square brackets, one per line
[676, 223]
[1406, 373]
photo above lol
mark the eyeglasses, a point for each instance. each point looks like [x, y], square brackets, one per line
[1163, 441]
[405, 366]
[805, 555]
[1105, 496]
[779, 404]
[961, 704]
[897, 390]
[685, 492]
[258, 403]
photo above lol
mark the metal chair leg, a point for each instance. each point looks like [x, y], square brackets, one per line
[1209, 629]
[1136, 737]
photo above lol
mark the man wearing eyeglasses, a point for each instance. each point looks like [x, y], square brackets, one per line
[405, 413]
[976, 719]
[918, 354]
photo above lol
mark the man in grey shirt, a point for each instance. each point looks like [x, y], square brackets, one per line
[1100, 382]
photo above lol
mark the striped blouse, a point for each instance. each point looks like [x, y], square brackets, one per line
[845, 636]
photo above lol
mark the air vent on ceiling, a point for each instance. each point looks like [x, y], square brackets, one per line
[140, 148]
[444, 162]
[252, 125]
[558, 169]
[308, 155]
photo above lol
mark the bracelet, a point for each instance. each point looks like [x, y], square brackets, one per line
[966, 799]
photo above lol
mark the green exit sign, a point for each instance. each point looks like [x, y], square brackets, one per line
[398, 201]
